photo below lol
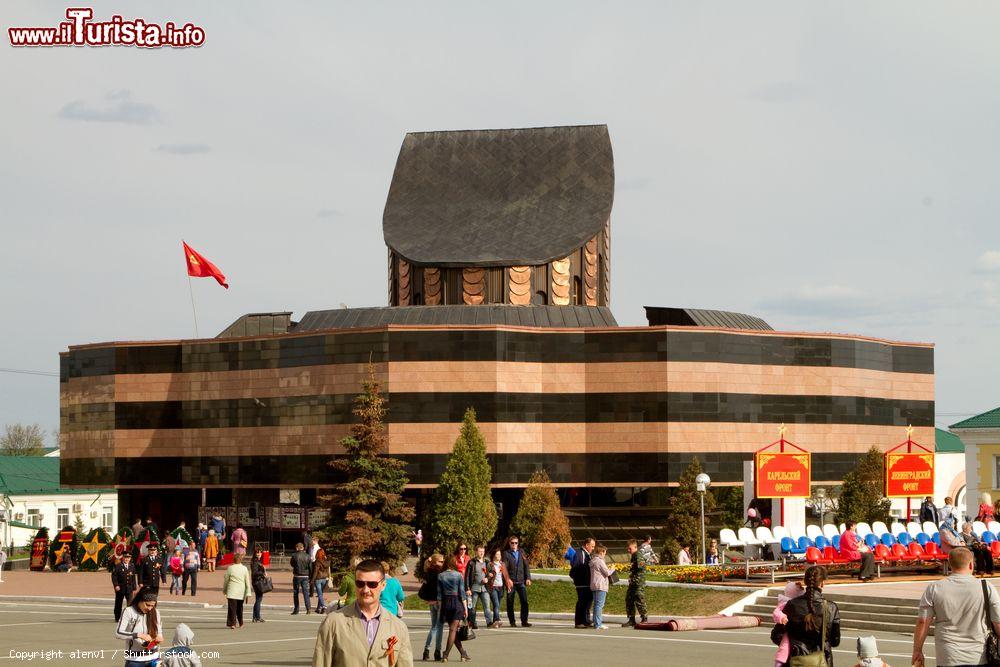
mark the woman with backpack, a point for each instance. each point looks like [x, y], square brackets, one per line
[813, 623]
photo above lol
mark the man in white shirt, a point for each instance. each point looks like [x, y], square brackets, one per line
[956, 607]
[313, 550]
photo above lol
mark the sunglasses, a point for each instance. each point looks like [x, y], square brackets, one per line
[463, 548]
[370, 584]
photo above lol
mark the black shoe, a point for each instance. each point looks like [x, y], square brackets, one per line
[644, 619]
[513, 625]
[295, 612]
[629, 623]
[437, 656]
[427, 655]
[526, 625]
[260, 620]
[308, 611]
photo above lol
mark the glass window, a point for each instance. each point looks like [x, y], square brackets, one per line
[62, 518]
[108, 519]
[35, 518]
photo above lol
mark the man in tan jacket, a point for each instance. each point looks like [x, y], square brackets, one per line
[363, 634]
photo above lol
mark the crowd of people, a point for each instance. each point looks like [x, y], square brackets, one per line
[457, 589]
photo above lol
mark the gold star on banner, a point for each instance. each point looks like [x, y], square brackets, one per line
[92, 548]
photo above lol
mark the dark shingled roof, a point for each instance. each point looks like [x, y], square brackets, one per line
[693, 317]
[527, 316]
[258, 324]
[499, 197]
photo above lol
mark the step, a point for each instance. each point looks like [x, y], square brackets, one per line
[850, 624]
[844, 598]
[872, 606]
[873, 616]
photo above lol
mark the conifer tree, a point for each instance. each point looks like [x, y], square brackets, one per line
[683, 522]
[369, 518]
[463, 508]
[541, 523]
[862, 496]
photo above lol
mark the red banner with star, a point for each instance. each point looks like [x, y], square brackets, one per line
[782, 475]
[908, 475]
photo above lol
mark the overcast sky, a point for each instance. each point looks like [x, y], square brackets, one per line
[828, 167]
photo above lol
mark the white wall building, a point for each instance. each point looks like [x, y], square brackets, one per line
[31, 497]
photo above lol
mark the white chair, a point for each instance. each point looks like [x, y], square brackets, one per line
[754, 547]
[897, 528]
[863, 530]
[842, 527]
[929, 527]
[978, 527]
[878, 527]
[769, 541]
[830, 531]
[765, 536]
[779, 532]
[994, 527]
[913, 528]
[812, 532]
[727, 538]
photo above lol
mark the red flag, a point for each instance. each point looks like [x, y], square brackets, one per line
[199, 267]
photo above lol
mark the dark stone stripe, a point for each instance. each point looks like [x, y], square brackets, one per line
[435, 408]
[492, 345]
[634, 470]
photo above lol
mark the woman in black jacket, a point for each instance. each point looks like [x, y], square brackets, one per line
[805, 618]
[258, 575]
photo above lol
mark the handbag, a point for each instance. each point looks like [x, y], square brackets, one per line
[992, 642]
[465, 633]
[329, 585]
[816, 658]
[266, 585]
[778, 633]
[613, 578]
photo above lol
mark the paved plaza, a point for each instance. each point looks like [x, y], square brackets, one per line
[83, 623]
[288, 640]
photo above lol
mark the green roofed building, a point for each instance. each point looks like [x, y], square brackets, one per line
[31, 497]
[980, 435]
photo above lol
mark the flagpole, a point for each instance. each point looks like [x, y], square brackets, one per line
[193, 309]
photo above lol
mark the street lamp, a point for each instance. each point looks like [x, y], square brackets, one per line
[821, 504]
[701, 483]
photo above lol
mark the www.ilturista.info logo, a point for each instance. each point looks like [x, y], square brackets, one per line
[79, 30]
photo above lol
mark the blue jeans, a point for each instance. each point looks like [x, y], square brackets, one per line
[496, 597]
[319, 585]
[599, 598]
[484, 598]
[300, 584]
[257, 599]
[435, 629]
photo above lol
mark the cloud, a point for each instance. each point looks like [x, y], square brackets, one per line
[117, 107]
[780, 92]
[183, 149]
[633, 184]
[328, 213]
[824, 301]
[989, 261]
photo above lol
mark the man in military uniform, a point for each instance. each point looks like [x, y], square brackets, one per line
[123, 579]
[635, 597]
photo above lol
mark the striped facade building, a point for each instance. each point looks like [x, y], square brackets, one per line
[614, 414]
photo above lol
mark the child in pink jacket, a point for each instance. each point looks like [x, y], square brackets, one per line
[793, 589]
